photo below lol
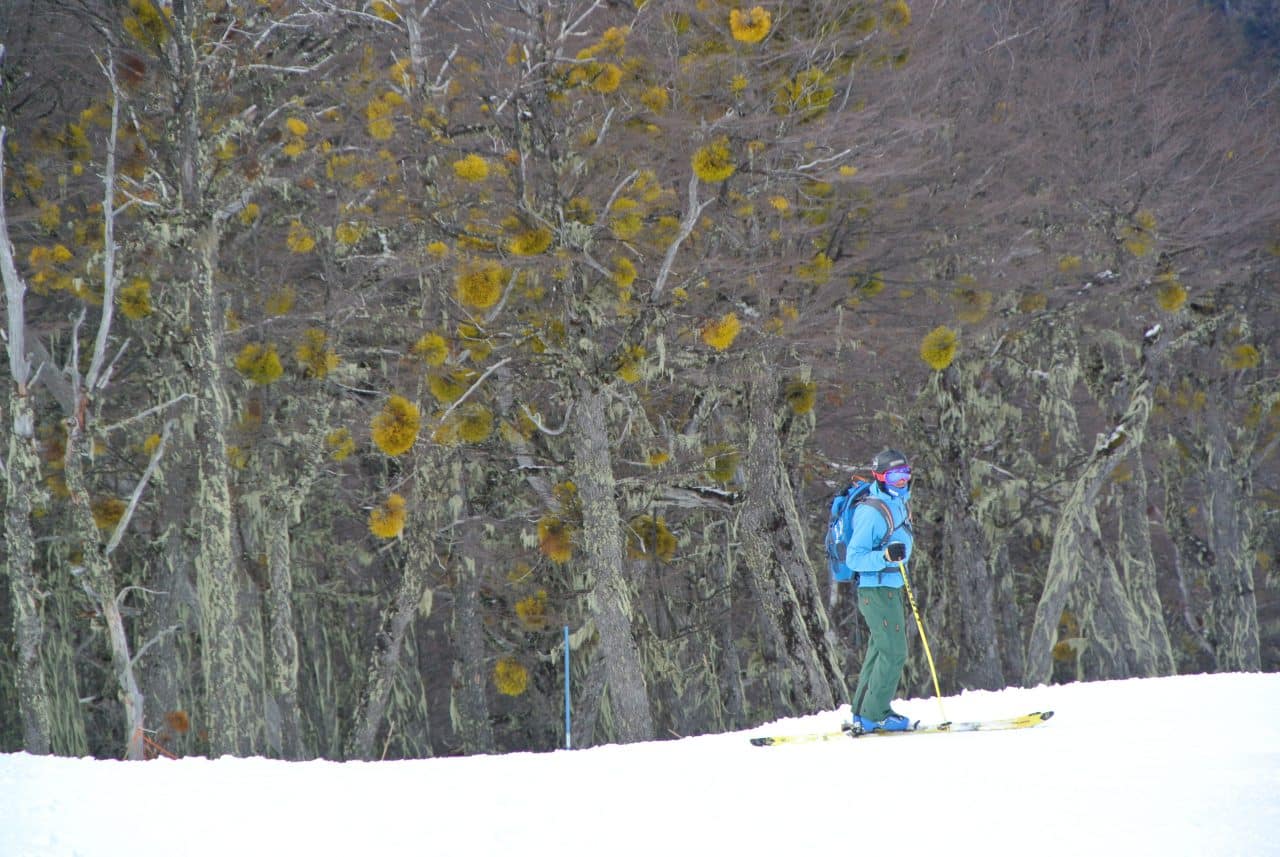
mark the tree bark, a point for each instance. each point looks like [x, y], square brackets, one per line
[99, 582]
[471, 676]
[781, 576]
[964, 545]
[24, 588]
[1138, 567]
[232, 694]
[1233, 605]
[610, 598]
[1077, 556]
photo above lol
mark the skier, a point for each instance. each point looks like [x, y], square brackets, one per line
[879, 591]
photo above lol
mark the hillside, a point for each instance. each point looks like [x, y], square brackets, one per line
[355, 349]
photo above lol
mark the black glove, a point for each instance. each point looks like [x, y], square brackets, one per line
[895, 552]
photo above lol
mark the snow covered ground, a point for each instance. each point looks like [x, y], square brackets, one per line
[1176, 766]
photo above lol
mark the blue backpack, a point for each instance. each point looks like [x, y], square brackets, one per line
[840, 524]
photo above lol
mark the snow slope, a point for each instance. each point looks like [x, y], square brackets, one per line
[1188, 765]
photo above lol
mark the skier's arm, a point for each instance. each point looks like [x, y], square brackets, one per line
[868, 530]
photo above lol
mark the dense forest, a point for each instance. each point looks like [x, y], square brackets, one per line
[356, 348]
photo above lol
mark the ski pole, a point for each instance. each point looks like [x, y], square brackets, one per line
[937, 691]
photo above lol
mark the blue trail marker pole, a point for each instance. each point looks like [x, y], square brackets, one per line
[568, 741]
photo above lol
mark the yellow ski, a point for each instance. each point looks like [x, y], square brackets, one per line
[1024, 721]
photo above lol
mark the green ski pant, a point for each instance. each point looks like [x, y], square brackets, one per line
[881, 607]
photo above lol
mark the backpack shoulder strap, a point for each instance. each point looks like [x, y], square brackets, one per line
[883, 508]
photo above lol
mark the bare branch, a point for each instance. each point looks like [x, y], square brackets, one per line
[118, 534]
[692, 212]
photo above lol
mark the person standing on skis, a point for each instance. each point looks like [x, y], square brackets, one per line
[882, 519]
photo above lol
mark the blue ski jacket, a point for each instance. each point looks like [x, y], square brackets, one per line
[863, 556]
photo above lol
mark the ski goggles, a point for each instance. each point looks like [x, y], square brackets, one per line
[896, 477]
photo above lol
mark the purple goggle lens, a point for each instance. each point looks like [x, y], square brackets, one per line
[897, 477]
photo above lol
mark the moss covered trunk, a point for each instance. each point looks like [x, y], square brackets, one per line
[1233, 604]
[1080, 571]
[232, 693]
[965, 550]
[610, 598]
[21, 484]
[781, 576]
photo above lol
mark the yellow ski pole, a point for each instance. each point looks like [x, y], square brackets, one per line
[911, 599]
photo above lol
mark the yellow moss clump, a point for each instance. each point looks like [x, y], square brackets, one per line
[532, 611]
[631, 363]
[448, 388]
[480, 284]
[655, 98]
[348, 233]
[555, 539]
[809, 93]
[281, 301]
[340, 443]
[314, 354]
[722, 463]
[386, 521]
[510, 677]
[750, 27]
[972, 305]
[395, 429]
[135, 300]
[896, 16]
[1070, 264]
[624, 272]
[817, 270]
[801, 396]
[1171, 295]
[1032, 302]
[649, 538]
[107, 512]
[531, 242]
[472, 168]
[1244, 357]
[938, 348]
[299, 240]
[387, 10]
[147, 24]
[474, 423]
[720, 333]
[259, 363]
[714, 161]
[657, 458]
[432, 348]
[625, 221]
[607, 78]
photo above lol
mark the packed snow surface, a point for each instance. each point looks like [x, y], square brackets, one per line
[1188, 765]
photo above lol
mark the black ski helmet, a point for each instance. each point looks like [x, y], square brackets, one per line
[887, 459]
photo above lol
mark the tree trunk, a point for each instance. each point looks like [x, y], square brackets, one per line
[1233, 605]
[610, 598]
[781, 576]
[471, 676]
[964, 544]
[99, 582]
[1138, 566]
[396, 619]
[282, 653]
[23, 477]
[1077, 555]
[232, 695]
